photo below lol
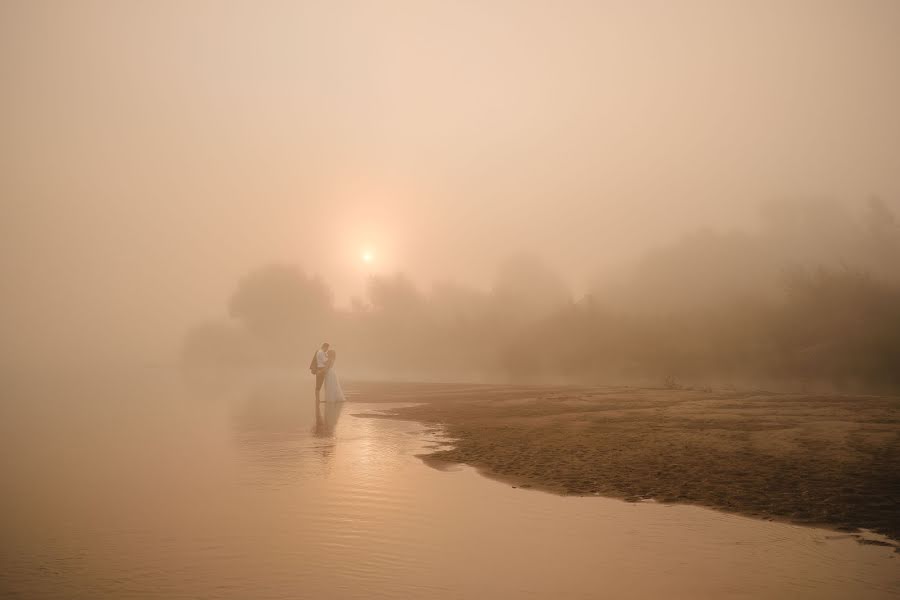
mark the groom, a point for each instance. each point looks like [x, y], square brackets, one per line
[317, 367]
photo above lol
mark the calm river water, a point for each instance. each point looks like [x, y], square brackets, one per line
[132, 487]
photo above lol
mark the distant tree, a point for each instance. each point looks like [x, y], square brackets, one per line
[395, 295]
[699, 270]
[456, 304]
[526, 288]
[279, 302]
[841, 324]
[883, 241]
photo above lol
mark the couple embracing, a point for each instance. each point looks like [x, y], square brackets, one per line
[322, 366]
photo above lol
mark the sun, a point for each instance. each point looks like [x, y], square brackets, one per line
[368, 257]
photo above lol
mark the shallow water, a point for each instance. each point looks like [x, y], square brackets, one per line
[131, 487]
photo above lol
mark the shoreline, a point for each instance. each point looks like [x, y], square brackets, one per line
[816, 460]
[861, 535]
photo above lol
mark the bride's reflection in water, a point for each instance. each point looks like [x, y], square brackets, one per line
[285, 434]
[327, 418]
[327, 414]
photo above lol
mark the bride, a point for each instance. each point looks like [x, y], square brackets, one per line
[333, 391]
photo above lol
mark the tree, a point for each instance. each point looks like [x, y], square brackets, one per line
[279, 302]
[526, 288]
[394, 295]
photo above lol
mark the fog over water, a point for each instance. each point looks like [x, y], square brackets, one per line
[154, 154]
[686, 212]
[262, 496]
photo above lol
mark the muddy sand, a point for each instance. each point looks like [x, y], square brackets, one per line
[809, 459]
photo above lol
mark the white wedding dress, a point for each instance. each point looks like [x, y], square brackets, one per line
[333, 391]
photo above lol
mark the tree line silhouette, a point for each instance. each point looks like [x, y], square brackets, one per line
[810, 299]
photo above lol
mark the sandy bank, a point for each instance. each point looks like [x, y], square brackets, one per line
[823, 460]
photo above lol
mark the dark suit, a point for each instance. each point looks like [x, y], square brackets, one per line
[319, 373]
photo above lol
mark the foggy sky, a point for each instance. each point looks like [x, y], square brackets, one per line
[153, 152]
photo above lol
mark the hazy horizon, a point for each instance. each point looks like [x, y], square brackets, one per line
[610, 289]
[154, 154]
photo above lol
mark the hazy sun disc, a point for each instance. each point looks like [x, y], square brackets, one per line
[368, 256]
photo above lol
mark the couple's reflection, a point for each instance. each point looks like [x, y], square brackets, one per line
[327, 415]
[276, 429]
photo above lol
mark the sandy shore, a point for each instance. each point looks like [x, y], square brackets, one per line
[810, 459]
